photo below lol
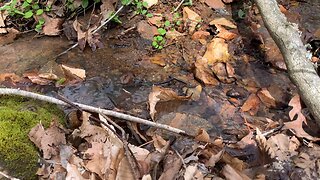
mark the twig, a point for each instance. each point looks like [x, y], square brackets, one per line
[7, 91]
[176, 9]
[98, 28]
[7, 176]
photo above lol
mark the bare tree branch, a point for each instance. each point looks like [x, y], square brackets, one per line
[300, 69]
[9, 91]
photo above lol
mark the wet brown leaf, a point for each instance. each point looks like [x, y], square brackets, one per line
[203, 73]
[9, 37]
[214, 159]
[200, 35]
[225, 34]
[160, 94]
[266, 98]
[172, 166]
[11, 76]
[35, 78]
[191, 19]
[251, 104]
[146, 31]
[215, 4]
[220, 70]
[217, 51]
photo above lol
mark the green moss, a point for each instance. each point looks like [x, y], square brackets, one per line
[17, 117]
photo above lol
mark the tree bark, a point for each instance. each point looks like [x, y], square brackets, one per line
[301, 71]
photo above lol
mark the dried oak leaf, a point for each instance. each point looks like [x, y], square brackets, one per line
[160, 94]
[48, 140]
[296, 125]
[81, 73]
[52, 26]
[223, 22]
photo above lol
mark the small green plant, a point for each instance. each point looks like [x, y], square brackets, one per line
[141, 7]
[159, 40]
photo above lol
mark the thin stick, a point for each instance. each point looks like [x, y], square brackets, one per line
[98, 28]
[176, 9]
[7, 91]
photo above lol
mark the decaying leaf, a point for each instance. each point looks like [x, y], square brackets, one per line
[191, 19]
[215, 4]
[146, 30]
[107, 8]
[203, 136]
[160, 94]
[173, 35]
[158, 59]
[3, 16]
[155, 20]
[195, 92]
[52, 26]
[266, 98]
[9, 37]
[200, 35]
[251, 105]
[217, 51]
[35, 78]
[223, 22]
[12, 76]
[81, 73]
[225, 34]
[203, 73]
[230, 173]
[48, 140]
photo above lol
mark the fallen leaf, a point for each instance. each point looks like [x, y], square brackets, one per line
[48, 140]
[202, 136]
[223, 22]
[215, 4]
[251, 104]
[3, 16]
[297, 129]
[225, 34]
[150, 3]
[217, 51]
[155, 20]
[160, 94]
[203, 73]
[52, 26]
[173, 34]
[195, 92]
[214, 158]
[146, 31]
[81, 73]
[158, 59]
[296, 108]
[220, 70]
[190, 172]
[200, 35]
[191, 19]
[12, 76]
[9, 37]
[266, 98]
[73, 172]
[230, 173]
[107, 8]
[35, 78]
[172, 165]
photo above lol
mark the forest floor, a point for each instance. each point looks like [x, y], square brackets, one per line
[208, 68]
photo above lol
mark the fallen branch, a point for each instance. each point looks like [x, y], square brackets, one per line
[9, 91]
[300, 69]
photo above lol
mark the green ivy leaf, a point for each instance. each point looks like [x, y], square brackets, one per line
[85, 3]
[41, 21]
[159, 38]
[162, 31]
[167, 23]
[154, 44]
[25, 5]
[125, 2]
[35, 7]
[39, 12]
[143, 12]
[149, 15]
[145, 4]
[29, 1]
[28, 14]
[178, 23]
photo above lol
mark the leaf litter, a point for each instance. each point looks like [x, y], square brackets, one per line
[236, 134]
